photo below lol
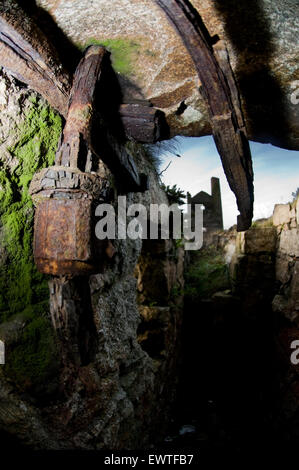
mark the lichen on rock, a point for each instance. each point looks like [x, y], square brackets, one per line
[123, 52]
[29, 132]
[32, 142]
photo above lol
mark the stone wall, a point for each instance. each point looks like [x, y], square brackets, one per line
[94, 381]
[265, 276]
[286, 220]
[286, 309]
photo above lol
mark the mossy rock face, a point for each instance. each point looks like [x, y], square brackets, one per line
[29, 133]
[36, 139]
[32, 360]
[123, 52]
[206, 274]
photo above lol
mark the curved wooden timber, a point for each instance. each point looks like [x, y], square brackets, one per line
[220, 93]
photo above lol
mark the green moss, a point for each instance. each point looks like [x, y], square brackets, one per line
[36, 142]
[123, 52]
[32, 362]
[207, 274]
[262, 223]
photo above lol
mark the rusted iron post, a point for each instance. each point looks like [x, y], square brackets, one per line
[219, 92]
[64, 241]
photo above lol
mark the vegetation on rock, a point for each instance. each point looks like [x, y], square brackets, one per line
[24, 291]
[35, 147]
[175, 195]
[206, 274]
[32, 361]
[123, 52]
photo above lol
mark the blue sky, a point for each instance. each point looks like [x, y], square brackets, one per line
[276, 173]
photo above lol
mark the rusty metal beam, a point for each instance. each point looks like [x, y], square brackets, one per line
[228, 130]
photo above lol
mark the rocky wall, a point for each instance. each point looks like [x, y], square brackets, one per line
[286, 310]
[80, 370]
[264, 272]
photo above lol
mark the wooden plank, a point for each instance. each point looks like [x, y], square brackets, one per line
[144, 124]
[222, 56]
[229, 135]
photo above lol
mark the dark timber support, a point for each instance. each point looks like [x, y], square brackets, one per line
[219, 90]
[144, 123]
[76, 138]
[26, 53]
[86, 130]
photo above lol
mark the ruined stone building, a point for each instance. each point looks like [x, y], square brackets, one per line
[212, 216]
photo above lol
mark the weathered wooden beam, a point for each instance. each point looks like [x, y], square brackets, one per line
[64, 236]
[65, 194]
[85, 130]
[144, 124]
[26, 53]
[76, 138]
[229, 135]
[222, 56]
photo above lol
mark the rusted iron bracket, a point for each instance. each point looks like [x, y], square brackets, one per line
[220, 92]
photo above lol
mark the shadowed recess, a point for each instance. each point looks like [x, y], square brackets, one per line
[249, 31]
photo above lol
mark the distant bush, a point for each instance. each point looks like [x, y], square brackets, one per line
[295, 194]
[175, 195]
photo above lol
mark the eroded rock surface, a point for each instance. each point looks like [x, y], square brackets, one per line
[260, 36]
[90, 379]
